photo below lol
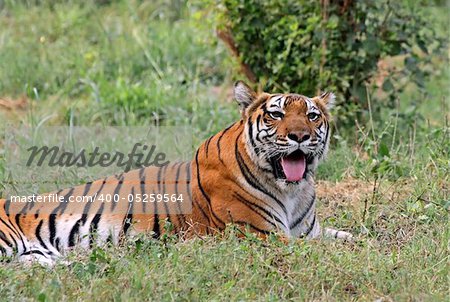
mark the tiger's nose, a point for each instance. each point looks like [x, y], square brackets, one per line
[299, 136]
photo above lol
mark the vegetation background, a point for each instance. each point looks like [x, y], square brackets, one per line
[386, 180]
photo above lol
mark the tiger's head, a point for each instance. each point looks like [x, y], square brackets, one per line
[286, 134]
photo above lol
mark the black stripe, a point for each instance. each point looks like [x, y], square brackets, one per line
[302, 216]
[326, 135]
[74, 231]
[109, 240]
[277, 102]
[5, 239]
[129, 217]
[250, 133]
[52, 216]
[142, 177]
[263, 201]
[94, 224]
[188, 180]
[310, 227]
[33, 252]
[251, 179]
[156, 228]
[38, 234]
[204, 193]
[87, 186]
[188, 187]
[6, 206]
[10, 224]
[253, 205]
[166, 208]
[158, 178]
[117, 191]
[30, 205]
[244, 223]
[177, 180]
[207, 145]
[320, 126]
[180, 216]
[220, 138]
[76, 227]
[57, 242]
[87, 207]
[12, 230]
[20, 231]
[258, 123]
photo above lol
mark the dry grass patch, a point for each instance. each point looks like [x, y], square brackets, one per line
[8, 104]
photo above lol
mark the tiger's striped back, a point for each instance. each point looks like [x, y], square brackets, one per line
[46, 229]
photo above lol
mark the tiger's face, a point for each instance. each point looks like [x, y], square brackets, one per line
[287, 134]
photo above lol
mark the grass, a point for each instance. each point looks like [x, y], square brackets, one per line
[133, 63]
[228, 268]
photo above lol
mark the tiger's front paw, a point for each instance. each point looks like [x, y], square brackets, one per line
[336, 234]
[30, 259]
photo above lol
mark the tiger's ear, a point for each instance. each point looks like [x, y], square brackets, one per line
[327, 98]
[244, 95]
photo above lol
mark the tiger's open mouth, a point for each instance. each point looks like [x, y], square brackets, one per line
[292, 167]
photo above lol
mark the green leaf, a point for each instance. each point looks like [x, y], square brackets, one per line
[333, 22]
[383, 150]
[422, 46]
[387, 85]
[42, 297]
[410, 63]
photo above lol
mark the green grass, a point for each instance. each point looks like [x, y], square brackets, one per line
[133, 63]
[227, 268]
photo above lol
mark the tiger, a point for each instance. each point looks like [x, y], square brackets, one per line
[256, 174]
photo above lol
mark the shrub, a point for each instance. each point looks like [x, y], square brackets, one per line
[306, 46]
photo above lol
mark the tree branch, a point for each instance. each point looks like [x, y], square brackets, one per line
[227, 38]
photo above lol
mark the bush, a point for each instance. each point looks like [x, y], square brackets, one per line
[308, 46]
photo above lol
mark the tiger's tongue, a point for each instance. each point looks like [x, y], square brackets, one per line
[293, 167]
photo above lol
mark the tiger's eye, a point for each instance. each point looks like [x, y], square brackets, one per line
[313, 116]
[276, 115]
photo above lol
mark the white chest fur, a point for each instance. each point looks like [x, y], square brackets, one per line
[299, 219]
